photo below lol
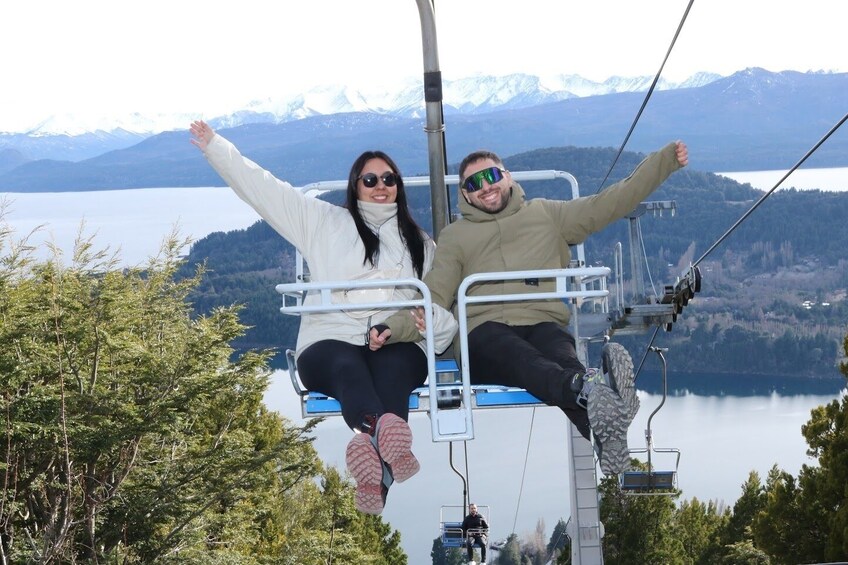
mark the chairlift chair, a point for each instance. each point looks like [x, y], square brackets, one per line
[584, 288]
[587, 529]
[650, 481]
[451, 529]
[449, 397]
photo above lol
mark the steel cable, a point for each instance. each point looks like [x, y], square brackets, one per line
[767, 194]
[647, 96]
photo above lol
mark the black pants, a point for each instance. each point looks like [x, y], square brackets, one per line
[478, 541]
[364, 381]
[541, 359]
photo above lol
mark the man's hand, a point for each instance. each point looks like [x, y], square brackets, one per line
[682, 153]
[420, 322]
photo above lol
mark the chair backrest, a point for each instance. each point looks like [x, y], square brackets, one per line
[452, 535]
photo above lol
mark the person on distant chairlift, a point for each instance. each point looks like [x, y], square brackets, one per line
[372, 236]
[526, 344]
[476, 533]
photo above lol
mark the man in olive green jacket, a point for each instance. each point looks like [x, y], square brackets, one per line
[525, 344]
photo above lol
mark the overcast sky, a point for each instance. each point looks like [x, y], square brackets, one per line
[209, 57]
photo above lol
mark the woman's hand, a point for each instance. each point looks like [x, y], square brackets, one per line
[202, 133]
[378, 336]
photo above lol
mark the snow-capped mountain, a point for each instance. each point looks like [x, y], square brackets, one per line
[468, 95]
[751, 120]
[77, 138]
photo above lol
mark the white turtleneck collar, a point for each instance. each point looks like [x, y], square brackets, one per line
[377, 214]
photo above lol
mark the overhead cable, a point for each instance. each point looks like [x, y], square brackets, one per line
[767, 194]
[645, 356]
[524, 471]
[647, 96]
[745, 216]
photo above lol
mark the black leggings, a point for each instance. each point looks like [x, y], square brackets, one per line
[541, 359]
[364, 381]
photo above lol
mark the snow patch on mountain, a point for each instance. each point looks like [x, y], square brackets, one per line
[473, 94]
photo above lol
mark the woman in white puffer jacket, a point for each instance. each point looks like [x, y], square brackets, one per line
[372, 234]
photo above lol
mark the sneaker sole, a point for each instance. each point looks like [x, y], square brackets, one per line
[394, 442]
[610, 429]
[618, 364]
[364, 465]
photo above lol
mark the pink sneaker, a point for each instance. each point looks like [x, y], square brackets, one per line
[364, 464]
[394, 442]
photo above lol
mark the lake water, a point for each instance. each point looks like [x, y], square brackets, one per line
[832, 179]
[724, 429]
[136, 221]
[721, 439]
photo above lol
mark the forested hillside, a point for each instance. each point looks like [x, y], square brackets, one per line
[750, 317]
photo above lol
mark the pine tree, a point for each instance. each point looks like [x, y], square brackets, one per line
[133, 433]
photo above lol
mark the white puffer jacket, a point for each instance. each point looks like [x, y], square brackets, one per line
[326, 236]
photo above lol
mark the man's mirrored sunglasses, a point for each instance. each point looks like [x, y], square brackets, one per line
[474, 182]
[370, 179]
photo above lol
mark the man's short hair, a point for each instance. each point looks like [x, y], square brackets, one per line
[473, 158]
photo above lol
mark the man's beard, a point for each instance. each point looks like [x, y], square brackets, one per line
[504, 202]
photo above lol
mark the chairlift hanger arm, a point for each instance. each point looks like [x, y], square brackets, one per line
[645, 312]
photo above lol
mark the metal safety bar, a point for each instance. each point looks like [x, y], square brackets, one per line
[581, 276]
[324, 303]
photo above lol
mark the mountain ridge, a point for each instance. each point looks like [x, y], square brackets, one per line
[468, 94]
[752, 120]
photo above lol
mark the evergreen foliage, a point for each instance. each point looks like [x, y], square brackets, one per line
[638, 529]
[442, 555]
[511, 552]
[132, 432]
[698, 526]
[559, 542]
[737, 529]
[805, 519]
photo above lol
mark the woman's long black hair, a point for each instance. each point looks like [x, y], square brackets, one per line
[409, 230]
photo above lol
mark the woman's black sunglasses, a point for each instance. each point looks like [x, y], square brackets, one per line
[370, 179]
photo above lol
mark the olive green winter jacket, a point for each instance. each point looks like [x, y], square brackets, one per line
[526, 235]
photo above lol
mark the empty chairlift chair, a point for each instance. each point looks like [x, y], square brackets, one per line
[651, 479]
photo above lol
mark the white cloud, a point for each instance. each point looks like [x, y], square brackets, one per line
[204, 57]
